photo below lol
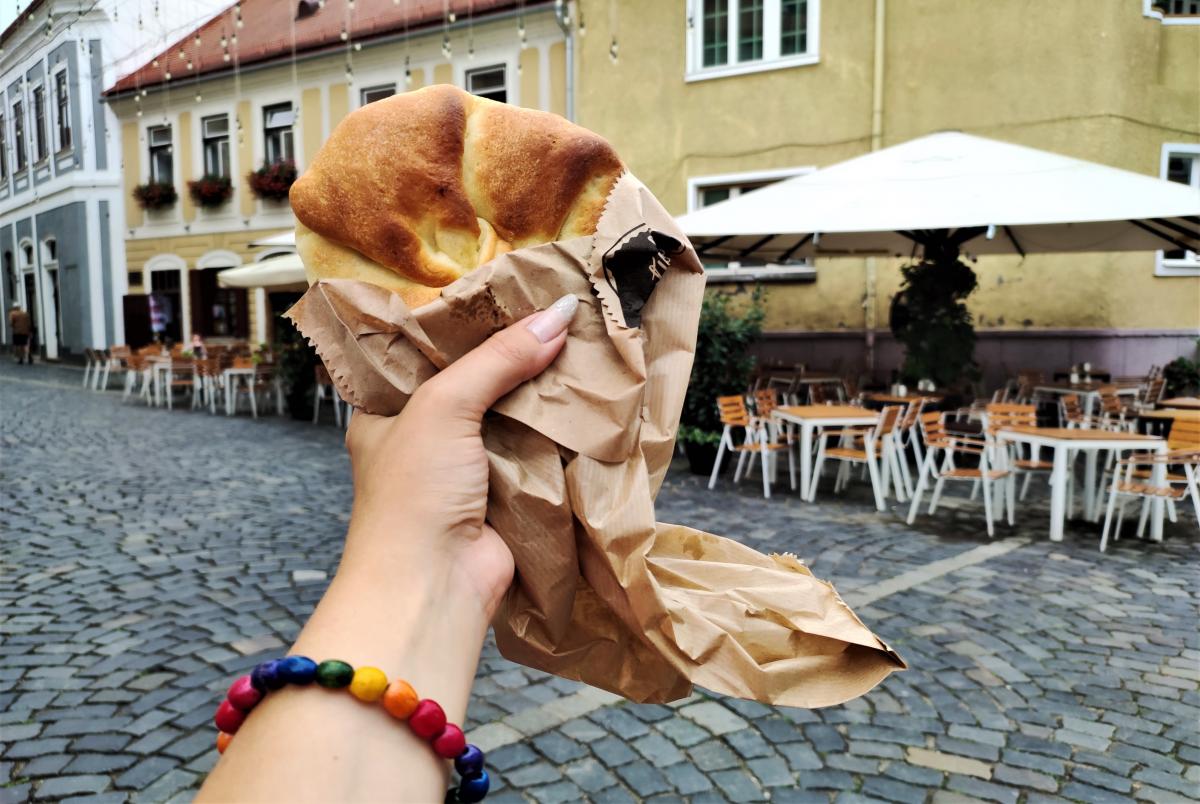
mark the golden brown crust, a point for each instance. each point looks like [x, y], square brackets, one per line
[431, 184]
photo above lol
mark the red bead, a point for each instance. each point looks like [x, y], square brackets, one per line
[427, 720]
[450, 743]
[242, 694]
[228, 719]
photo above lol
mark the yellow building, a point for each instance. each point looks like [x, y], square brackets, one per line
[705, 99]
[265, 82]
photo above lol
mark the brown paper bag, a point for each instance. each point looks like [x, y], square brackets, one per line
[604, 594]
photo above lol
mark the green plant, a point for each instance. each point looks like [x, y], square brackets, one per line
[723, 363]
[209, 191]
[930, 317]
[1182, 376]
[296, 360]
[155, 195]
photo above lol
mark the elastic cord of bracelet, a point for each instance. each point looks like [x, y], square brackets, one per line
[425, 718]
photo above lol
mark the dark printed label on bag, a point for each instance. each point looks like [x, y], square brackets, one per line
[634, 265]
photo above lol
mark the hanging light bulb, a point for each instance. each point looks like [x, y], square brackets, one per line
[189, 65]
[357, 46]
[198, 97]
[612, 50]
[226, 55]
[197, 40]
[145, 92]
[344, 35]
[471, 49]
[234, 40]
[224, 41]
[452, 17]
[182, 55]
[407, 73]
[168, 75]
[582, 24]
[349, 75]
[154, 63]
[139, 112]
[446, 49]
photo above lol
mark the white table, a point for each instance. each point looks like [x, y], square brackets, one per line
[811, 417]
[160, 369]
[231, 376]
[1064, 442]
[1089, 393]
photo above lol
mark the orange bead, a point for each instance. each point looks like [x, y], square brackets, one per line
[400, 699]
[223, 741]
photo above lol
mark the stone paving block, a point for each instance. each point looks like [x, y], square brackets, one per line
[100, 763]
[613, 752]
[892, 790]
[590, 775]
[535, 773]
[1166, 781]
[976, 735]
[658, 750]
[614, 795]
[168, 784]
[712, 755]
[738, 785]
[1035, 762]
[913, 774]
[949, 763]
[826, 779]
[45, 765]
[968, 748]
[1092, 795]
[62, 786]
[771, 772]
[643, 778]
[36, 748]
[824, 738]
[686, 779]
[713, 717]
[681, 731]
[619, 721]
[1022, 777]
[556, 793]
[800, 757]
[100, 742]
[112, 797]
[987, 791]
[748, 743]
[557, 747]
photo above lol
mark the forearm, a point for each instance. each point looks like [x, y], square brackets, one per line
[323, 745]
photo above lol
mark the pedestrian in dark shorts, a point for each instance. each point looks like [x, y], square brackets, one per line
[22, 328]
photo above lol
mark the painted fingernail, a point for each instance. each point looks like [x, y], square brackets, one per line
[548, 324]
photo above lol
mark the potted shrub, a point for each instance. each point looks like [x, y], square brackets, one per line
[1182, 377]
[273, 180]
[723, 366]
[209, 191]
[295, 361]
[155, 195]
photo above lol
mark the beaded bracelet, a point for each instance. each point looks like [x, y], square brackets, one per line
[368, 684]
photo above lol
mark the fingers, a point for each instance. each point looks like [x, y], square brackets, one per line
[474, 382]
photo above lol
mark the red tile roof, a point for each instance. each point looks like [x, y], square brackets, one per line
[265, 34]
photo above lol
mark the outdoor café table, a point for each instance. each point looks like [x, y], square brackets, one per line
[1159, 419]
[1065, 441]
[810, 417]
[1089, 392]
[160, 367]
[231, 376]
[1185, 402]
[906, 399]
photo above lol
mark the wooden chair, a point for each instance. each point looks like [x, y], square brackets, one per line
[208, 377]
[1133, 480]
[984, 473]
[758, 441]
[878, 453]
[907, 435]
[182, 374]
[325, 388]
[1002, 414]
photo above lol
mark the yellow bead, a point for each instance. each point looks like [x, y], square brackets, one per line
[368, 684]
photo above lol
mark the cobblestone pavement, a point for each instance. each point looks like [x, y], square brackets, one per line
[149, 556]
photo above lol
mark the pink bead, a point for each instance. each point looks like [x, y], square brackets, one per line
[450, 743]
[228, 719]
[427, 720]
[242, 694]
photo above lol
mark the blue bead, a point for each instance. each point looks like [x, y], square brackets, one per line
[297, 669]
[474, 788]
[265, 676]
[469, 762]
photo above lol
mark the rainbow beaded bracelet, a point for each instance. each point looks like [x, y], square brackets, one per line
[369, 684]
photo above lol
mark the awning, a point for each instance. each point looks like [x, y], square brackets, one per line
[285, 270]
[984, 196]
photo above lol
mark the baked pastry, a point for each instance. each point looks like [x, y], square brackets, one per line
[414, 191]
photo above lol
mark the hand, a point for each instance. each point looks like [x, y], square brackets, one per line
[421, 478]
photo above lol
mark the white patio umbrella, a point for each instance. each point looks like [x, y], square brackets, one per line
[956, 190]
[282, 240]
[285, 270]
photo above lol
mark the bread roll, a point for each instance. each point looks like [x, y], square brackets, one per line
[414, 191]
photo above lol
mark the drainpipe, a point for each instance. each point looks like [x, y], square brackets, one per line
[562, 15]
[870, 319]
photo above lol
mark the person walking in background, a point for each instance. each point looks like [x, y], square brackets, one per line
[22, 328]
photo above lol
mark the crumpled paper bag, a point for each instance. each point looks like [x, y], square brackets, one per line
[604, 594]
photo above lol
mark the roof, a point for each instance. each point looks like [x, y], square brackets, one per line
[20, 20]
[265, 33]
[996, 197]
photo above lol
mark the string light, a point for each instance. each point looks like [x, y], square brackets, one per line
[612, 50]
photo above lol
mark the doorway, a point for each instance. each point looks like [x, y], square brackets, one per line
[218, 312]
[31, 307]
[166, 305]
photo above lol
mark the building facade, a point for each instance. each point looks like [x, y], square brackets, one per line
[707, 99]
[61, 207]
[264, 83]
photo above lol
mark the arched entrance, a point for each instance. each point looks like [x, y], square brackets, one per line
[218, 312]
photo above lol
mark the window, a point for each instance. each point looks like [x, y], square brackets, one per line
[63, 110]
[1180, 164]
[40, 149]
[729, 37]
[3, 149]
[162, 161]
[215, 133]
[708, 190]
[277, 132]
[18, 111]
[372, 94]
[488, 82]
[1177, 8]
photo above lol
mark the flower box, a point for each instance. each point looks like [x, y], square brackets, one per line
[272, 181]
[210, 192]
[155, 195]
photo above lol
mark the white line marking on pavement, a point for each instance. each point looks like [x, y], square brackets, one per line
[550, 715]
[920, 575]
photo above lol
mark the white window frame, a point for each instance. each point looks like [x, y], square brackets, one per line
[694, 69]
[170, 126]
[362, 93]
[58, 124]
[1150, 11]
[34, 160]
[1187, 266]
[735, 272]
[20, 139]
[230, 126]
[499, 65]
[294, 107]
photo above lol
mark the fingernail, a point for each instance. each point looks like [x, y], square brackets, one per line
[549, 323]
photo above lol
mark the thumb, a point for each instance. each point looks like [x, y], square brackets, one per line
[473, 383]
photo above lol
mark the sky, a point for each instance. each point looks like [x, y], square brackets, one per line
[8, 11]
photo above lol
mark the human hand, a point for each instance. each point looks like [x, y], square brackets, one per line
[421, 478]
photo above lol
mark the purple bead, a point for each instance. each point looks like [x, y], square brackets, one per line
[474, 788]
[297, 669]
[265, 676]
[469, 762]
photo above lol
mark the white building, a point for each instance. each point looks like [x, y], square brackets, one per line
[61, 200]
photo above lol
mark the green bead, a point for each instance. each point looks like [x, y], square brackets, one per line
[334, 674]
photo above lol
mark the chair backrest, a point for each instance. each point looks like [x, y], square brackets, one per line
[765, 401]
[1110, 403]
[817, 394]
[911, 414]
[1185, 434]
[933, 425]
[888, 418]
[1006, 414]
[1153, 392]
[732, 410]
[242, 363]
[1072, 410]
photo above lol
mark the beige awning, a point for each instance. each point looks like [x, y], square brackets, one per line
[284, 271]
